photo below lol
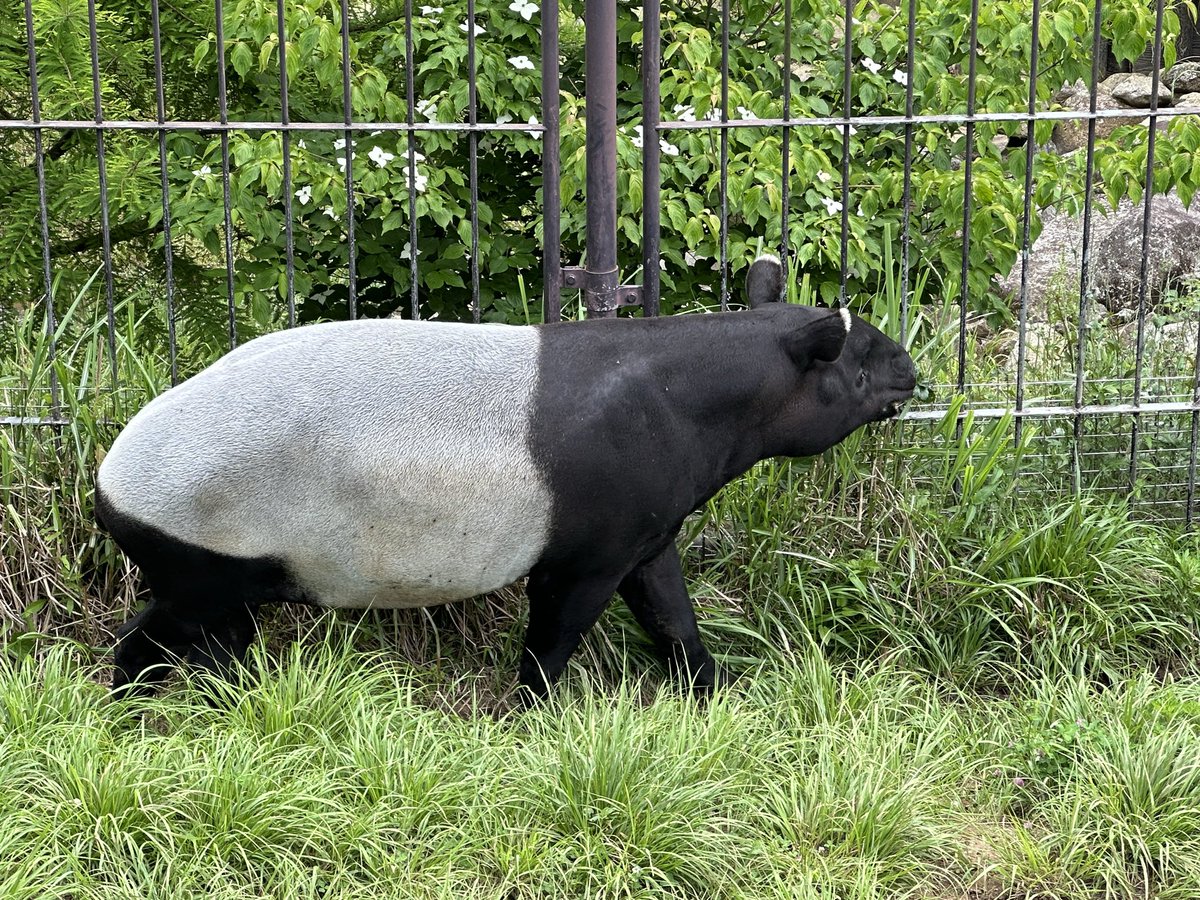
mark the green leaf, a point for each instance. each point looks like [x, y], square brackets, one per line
[241, 59]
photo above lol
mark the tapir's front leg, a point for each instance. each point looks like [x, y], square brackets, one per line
[656, 593]
[562, 608]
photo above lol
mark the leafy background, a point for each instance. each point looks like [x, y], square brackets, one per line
[510, 178]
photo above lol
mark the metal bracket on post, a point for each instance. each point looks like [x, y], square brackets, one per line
[601, 295]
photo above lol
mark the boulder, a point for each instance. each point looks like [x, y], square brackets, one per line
[1055, 264]
[1174, 252]
[1114, 254]
[1183, 77]
[1135, 90]
[1071, 135]
[1192, 100]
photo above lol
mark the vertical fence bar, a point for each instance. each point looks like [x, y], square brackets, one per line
[39, 158]
[724, 155]
[473, 159]
[160, 109]
[286, 140]
[1085, 257]
[1030, 145]
[905, 235]
[410, 88]
[651, 158]
[347, 113]
[223, 101]
[1156, 63]
[968, 157]
[551, 168]
[786, 148]
[601, 73]
[1188, 512]
[102, 168]
[847, 129]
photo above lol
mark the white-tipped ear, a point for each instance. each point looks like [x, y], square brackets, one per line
[845, 314]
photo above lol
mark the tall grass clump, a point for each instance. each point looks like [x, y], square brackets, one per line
[928, 554]
[371, 787]
[58, 574]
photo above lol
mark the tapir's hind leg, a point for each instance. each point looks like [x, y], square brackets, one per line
[221, 645]
[203, 608]
[146, 645]
[656, 593]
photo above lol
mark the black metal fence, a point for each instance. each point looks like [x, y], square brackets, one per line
[1128, 410]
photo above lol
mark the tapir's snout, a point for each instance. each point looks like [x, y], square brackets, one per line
[905, 385]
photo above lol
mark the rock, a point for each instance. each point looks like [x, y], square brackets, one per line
[1192, 100]
[1071, 135]
[1183, 77]
[1174, 252]
[1134, 90]
[1055, 263]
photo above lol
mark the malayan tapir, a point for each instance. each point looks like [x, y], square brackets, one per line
[390, 463]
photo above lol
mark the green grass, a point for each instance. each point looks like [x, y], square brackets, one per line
[343, 774]
[949, 689]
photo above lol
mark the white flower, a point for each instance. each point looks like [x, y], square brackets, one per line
[375, 133]
[340, 143]
[418, 181]
[523, 8]
[713, 115]
[746, 113]
[341, 161]
[380, 157]
[685, 113]
[520, 62]
[428, 109]
[533, 121]
[637, 139]
[824, 177]
[503, 119]
[831, 206]
[859, 211]
[479, 29]
[328, 210]
[202, 171]
[900, 77]
[432, 11]
[302, 145]
[669, 149]
[871, 66]
[304, 194]
[406, 253]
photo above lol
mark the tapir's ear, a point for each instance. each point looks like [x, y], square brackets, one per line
[764, 281]
[821, 340]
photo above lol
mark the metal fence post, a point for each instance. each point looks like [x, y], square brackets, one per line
[600, 49]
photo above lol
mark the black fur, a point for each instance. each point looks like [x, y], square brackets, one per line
[202, 607]
[661, 414]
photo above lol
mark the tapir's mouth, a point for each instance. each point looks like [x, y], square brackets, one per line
[916, 390]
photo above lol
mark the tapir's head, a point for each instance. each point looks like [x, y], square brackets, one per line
[846, 372]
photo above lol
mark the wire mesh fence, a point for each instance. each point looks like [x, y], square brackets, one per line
[212, 170]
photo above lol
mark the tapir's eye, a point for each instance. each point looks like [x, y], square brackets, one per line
[862, 376]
